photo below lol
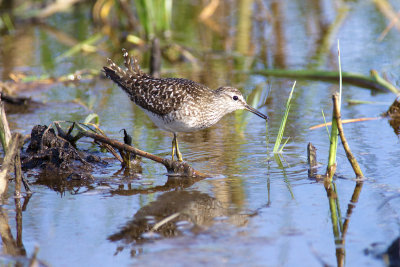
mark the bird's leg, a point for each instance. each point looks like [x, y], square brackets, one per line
[175, 146]
[178, 153]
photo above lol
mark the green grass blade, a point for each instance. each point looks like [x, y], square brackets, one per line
[284, 144]
[340, 76]
[334, 217]
[283, 122]
[278, 160]
[267, 137]
[154, 16]
[168, 14]
[145, 17]
[87, 45]
[326, 125]
[92, 117]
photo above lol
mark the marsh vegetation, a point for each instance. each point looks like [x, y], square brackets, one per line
[95, 167]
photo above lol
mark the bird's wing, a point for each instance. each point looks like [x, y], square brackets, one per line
[160, 96]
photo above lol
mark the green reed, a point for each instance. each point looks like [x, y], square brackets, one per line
[334, 130]
[154, 16]
[278, 148]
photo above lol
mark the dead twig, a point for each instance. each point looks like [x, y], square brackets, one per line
[176, 167]
[12, 151]
[350, 157]
[343, 122]
[73, 139]
[392, 23]
[106, 146]
[388, 11]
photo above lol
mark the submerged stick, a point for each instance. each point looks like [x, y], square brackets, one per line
[18, 174]
[350, 157]
[351, 206]
[9, 244]
[18, 219]
[26, 186]
[311, 156]
[312, 161]
[180, 168]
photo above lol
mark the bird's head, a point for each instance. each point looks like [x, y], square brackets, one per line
[234, 100]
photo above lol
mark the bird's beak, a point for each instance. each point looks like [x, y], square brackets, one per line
[255, 111]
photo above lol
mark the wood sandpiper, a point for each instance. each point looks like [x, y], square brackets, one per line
[175, 104]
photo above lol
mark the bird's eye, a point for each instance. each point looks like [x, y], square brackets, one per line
[235, 97]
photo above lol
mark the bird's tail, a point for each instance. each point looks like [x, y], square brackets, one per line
[124, 78]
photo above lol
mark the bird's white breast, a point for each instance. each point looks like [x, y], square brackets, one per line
[175, 122]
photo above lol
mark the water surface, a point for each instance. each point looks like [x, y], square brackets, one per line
[254, 210]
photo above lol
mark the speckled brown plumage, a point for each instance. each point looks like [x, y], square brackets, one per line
[175, 104]
[160, 96]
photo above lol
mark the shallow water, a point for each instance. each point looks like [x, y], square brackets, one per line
[253, 211]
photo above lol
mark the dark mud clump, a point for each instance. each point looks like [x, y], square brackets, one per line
[57, 160]
[394, 116]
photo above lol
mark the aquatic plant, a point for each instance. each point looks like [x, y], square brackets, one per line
[154, 16]
[334, 130]
[278, 148]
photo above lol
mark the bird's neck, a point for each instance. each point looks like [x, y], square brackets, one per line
[216, 109]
